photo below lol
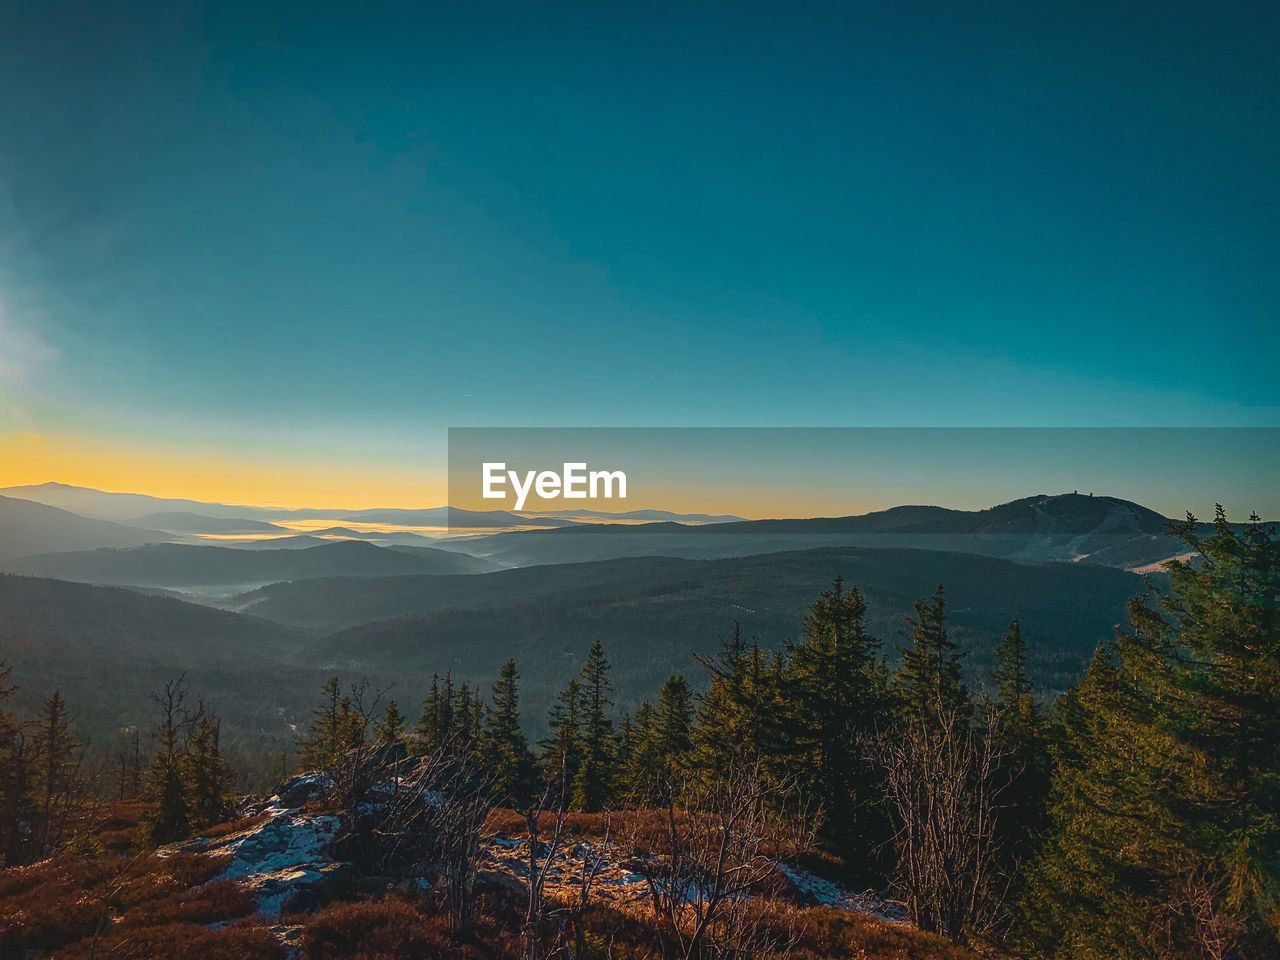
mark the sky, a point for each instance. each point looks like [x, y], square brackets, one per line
[269, 253]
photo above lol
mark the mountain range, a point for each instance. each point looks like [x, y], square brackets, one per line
[292, 608]
[179, 565]
[27, 527]
[1068, 527]
[134, 508]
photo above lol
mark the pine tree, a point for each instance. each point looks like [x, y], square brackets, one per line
[58, 755]
[504, 748]
[835, 693]
[435, 719]
[674, 724]
[468, 717]
[390, 729]
[206, 776]
[1166, 789]
[329, 733]
[562, 750]
[641, 769]
[738, 716]
[593, 782]
[1012, 681]
[720, 732]
[929, 679]
[17, 808]
[1020, 735]
[169, 817]
[663, 748]
[451, 718]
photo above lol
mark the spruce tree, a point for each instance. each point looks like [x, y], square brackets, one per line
[169, 816]
[640, 769]
[1020, 735]
[17, 770]
[720, 733]
[663, 740]
[740, 716]
[435, 717]
[325, 742]
[593, 781]
[390, 728]
[58, 755]
[1012, 681]
[1166, 789]
[835, 696]
[562, 750]
[504, 747]
[675, 718]
[928, 680]
[206, 777]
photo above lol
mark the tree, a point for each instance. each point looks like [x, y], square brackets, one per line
[16, 772]
[206, 774]
[674, 721]
[1021, 740]
[639, 764]
[593, 780]
[449, 716]
[1166, 789]
[169, 817]
[929, 679]
[562, 750]
[504, 747]
[58, 758]
[390, 729]
[739, 715]
[329, 732]
[1013, 684]
[836, 693]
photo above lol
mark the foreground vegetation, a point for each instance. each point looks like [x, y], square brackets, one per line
[1136, 817]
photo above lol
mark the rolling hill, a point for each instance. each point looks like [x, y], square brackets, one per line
[108, 649]
[179, 565]
[27, 527]
[653, 614]
[179, 521]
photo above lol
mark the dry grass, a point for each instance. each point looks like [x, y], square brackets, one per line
[100, 898]
[827, 932]
[190, 941]
[137, 906]
[403, 928]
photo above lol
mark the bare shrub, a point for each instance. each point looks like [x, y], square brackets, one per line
[939, 776]
[715, 859]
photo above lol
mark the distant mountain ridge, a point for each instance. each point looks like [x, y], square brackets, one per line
[182, 522]
[125, 507]
[1068, 527]
[29, 527]
[131, 507]
[178, 565]
[1042, 513]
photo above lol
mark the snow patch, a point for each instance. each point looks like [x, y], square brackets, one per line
[275, 859]
[831, 894]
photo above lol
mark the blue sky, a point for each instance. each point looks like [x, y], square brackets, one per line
[335, 231]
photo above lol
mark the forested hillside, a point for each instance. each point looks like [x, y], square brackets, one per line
[1134, 816]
